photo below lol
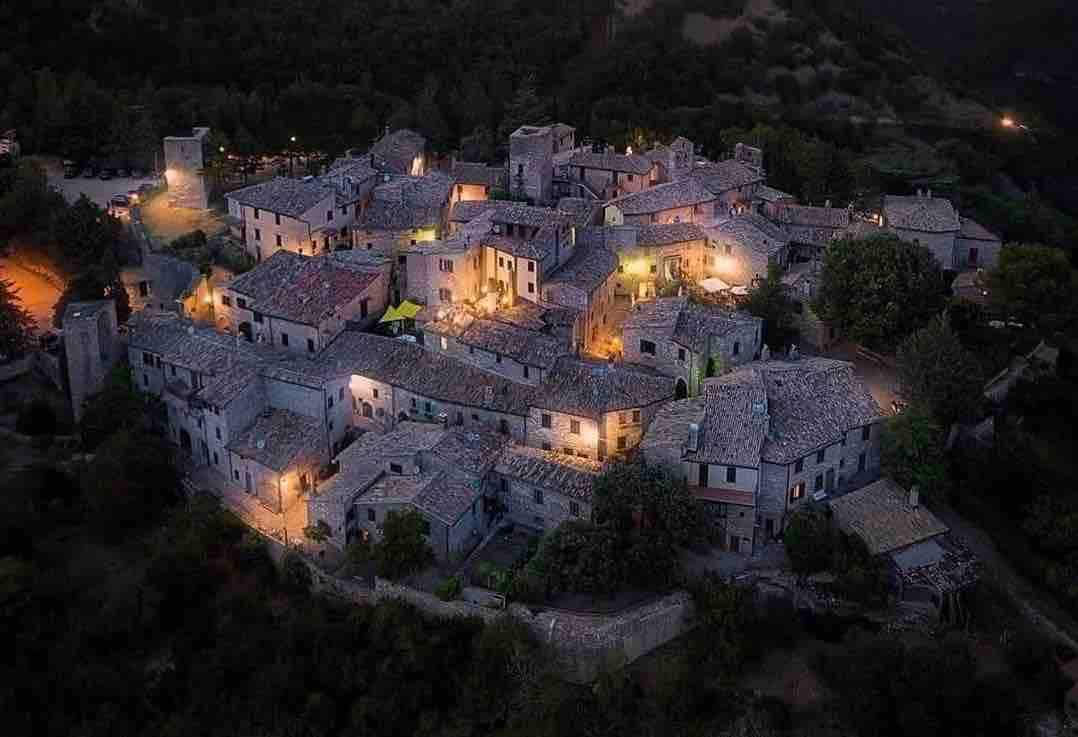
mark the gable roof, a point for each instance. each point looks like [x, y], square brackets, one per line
[752, 231]
[567, 475]
[735, 424]
[284, 196]
[171, 278]
[973, 230]
[593, 388]
[610, 161]
[302, 289]
[522, 345]
[667, 233]
[925, 214]
[396, 151]
[278, 438]
[684, 193]
[686, 322]
[466, 172]
[586, 269]
[724, 176]
[881, 515]
[813, 217]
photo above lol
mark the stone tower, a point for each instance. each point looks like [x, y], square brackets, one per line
[92, 346]
[185, 158]
[531, 163]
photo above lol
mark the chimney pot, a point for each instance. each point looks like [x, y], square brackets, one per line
[915, 497]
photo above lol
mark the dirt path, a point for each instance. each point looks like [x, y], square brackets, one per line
[1042, 612]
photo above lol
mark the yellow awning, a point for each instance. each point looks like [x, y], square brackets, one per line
[408, 310]
[391, 315]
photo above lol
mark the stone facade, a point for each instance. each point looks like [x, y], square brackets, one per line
[184, 163]
[92, 346]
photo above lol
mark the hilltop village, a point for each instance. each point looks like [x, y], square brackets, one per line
[475, 342]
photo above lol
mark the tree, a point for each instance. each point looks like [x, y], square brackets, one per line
[879, 290]
[635, 495]
[478, 145]
[1032, 280]
[935, 369]
[723, 610]
[526, 108]
[428, 116]
[769, 301]
[808, 539]
[912, 451]
[403, 549]
[16, 324]
[318, 532]
[118, 406]
[82, 235]
[130, 480]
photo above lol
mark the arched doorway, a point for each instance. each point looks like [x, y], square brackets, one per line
[245, 331]
[368, 411]
[185, 441]
[681, 389]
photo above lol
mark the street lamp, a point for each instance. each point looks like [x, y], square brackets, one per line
[1007, 121]
[291, 156]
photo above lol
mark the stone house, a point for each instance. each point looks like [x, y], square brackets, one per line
[812, 226]
[801, 282]
[652, 256]
[745, 244]
[596, 410]
[297, 215]
[683, 339]
[675, 160]
[185, 158]
[276, 458]
[768, 200]
[543, 488]
[517, 353]
[164, 283]
[531, 159]
[957, 243]
[438, 472]
[607, 174]
[301, 303]
[765, 438]
[585, 283]
[91, 347]
[403, 211]
[444, 271]
[474, 182]
[401, 152]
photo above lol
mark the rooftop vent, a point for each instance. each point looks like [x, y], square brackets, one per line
[260, 443]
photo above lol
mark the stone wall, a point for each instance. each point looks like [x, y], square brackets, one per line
[522, 507]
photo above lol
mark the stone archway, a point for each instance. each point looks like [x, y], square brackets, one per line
[681, 389]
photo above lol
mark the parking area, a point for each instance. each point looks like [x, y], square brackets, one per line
[95, 189]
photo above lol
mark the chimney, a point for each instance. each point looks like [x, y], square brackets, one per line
[929, 194]
[692, 444]
[920, 193]
[827, 204]
[915, 498]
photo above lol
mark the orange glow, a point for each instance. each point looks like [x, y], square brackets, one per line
[1007, 122]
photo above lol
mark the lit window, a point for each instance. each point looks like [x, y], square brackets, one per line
[574, 427]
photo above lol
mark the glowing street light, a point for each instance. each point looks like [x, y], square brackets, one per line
[1007, 122]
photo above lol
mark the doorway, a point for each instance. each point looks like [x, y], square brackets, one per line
[681, 389]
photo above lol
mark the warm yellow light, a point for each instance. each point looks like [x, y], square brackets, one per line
[1007, 122]
[208, 299]
[629, 150]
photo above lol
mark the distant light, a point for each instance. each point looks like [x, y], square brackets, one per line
[221, 149]
[1007, 122]
[293, 139]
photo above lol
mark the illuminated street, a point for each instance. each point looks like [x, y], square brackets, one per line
[37, 294]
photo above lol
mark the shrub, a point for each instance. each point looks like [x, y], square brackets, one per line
[36, 417]
[403, 549]
[449, 589]
[295, 575]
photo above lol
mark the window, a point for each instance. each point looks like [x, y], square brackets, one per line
[284, 339]
[737, 347]
[799, 466]
[531, 266]
[310, 345]
[329, 215]
[654, 269]
[574, 427]
[372, 516]
[866, 433]
[374, 393]
[820, 455]
[531, 287]
[329, 401]
[844, 439]
[147, 358]
[630, 177]
[537, 496]
[636, 417]
[241, 303]
[501, 262]
[444, 343]
[526, 372]
[621, 270]
[445, 264]
[340, 393]
[574, 509]
[817, 485]
[415, 403]
[217, 432]
[647, 346]
[731, 475]
[226, 300]
[546, 446]
[702, 475]
[236, 474]
[861, 462]
[426, 527]
[396, 468]
[623, 442]
[428, 408]
[257, 317]
[503, 427]
[255, 209]
[798, 491]
[681, 354]
[216, 460]
[497, 358]
[278, 237]
[973, 254]
[445, 295]
[475, 417]
[145, 380]
[276, 219]
[567, 450]
[258, 234]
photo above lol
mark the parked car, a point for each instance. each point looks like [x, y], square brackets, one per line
[71, 169]
[123, 173]
[88, 173]
[105, 175]
[137, 174]
[145, 187]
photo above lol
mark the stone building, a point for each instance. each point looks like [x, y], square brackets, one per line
[438, 472]
[297, 215]
[745, 245]
[91, 346]
[650, 257]
[401, 152]
[543, 488]
[813, 226]
[956, 242]
[475, 182]
[593, 409]
[301, 303]
[585, 283]
[802, 282]
[164, 283]
[607, 174]
[531, 159]
[185, 158]
[689, 341]
[765, 438]
[675, 161]
[276, 458]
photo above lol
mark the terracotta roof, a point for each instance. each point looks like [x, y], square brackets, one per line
[609, 161]
[291, 197]
[881, 515]
[302, 289]
[925, 214]
[975, 231]
[684, 193]
[592, 388]
[278, 438]
[567, 475]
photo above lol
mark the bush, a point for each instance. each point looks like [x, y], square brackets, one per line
[449, 589]
[295, 575]
[36, 417]
[403, 549]
[196, 239]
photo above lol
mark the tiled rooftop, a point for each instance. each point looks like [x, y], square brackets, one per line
[735, 425]
[465, 172]
[974, 230]
[302, 289]
[291, 197]
[813, 217]
[593, 388]
[563, 474]
[520, 344]
[396, 151]
[751, 231]
[664, 234]
[609, 161]
[722, 176]
[684, 193]
[586, 269]
[926, 214]
[770, 194]
[688, 323]
[278, 438]
[881, 515]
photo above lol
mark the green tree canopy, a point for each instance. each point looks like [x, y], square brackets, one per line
[1033, 280]
[130, 480]
[808, 541]
[912, 451]
[403, 548]
[879, 290]
[770, 301]
[16, 324]
[935, 369]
